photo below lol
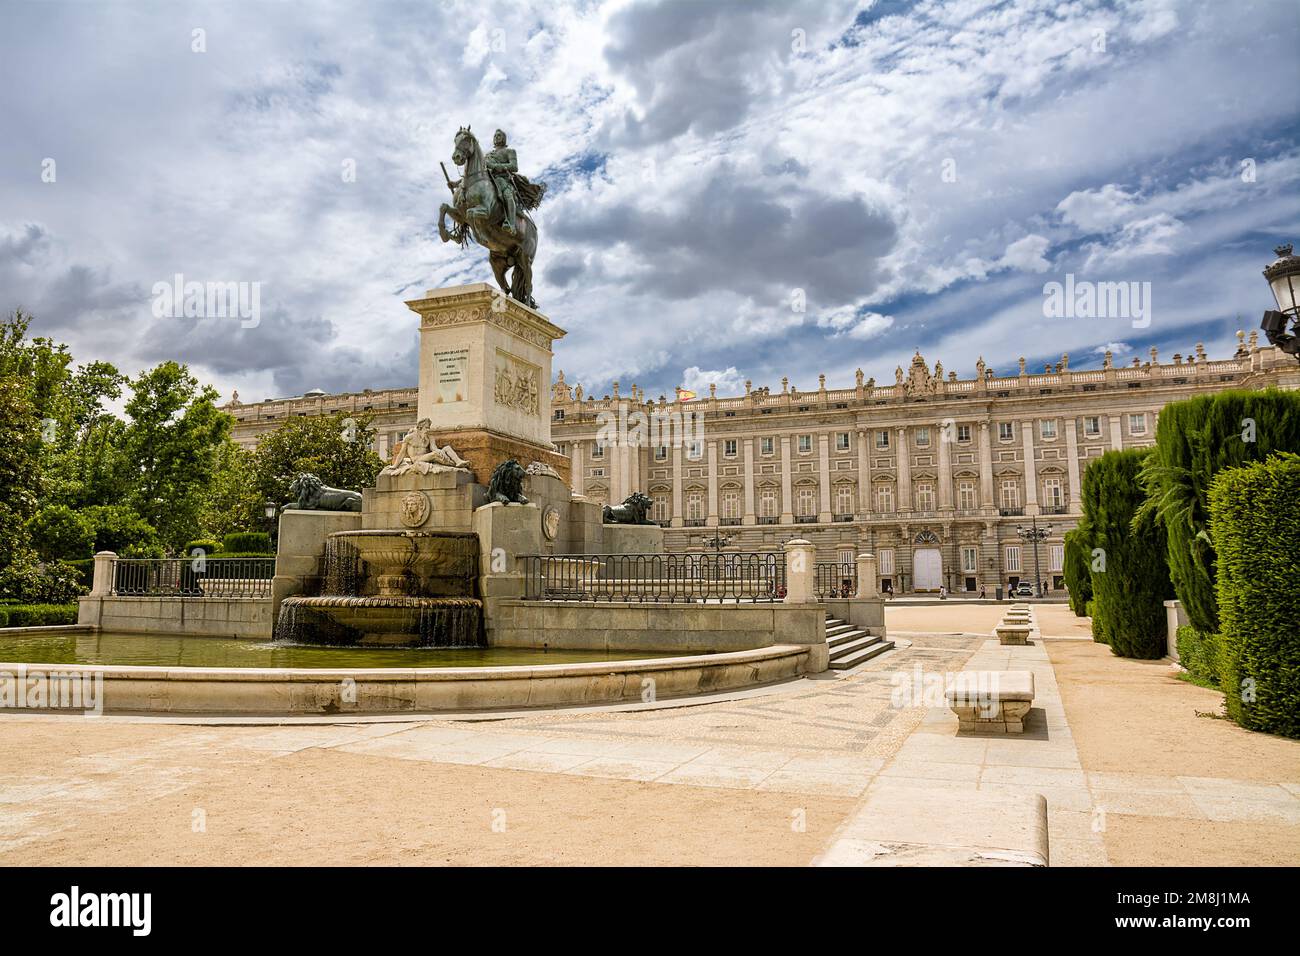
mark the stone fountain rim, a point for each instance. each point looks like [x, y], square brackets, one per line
[402, 533]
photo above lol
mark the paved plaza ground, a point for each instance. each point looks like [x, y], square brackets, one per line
[1135, 765]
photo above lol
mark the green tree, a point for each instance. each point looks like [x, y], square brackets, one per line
[233, 503]
[1078, 568]
[119, 529]
[1195, 440]
[335, 448]
[60, 533]
[172, 439]
[1130, 580]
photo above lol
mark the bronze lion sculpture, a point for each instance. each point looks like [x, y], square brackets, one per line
[635, 509]
[507, 483]
[312, 494]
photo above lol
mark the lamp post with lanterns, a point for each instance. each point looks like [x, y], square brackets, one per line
[1035, 534]
[1283, 275]
[270, 509]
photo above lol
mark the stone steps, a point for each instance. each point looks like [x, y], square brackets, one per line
[851, 646]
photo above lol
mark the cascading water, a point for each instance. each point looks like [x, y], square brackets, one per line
[407, 588]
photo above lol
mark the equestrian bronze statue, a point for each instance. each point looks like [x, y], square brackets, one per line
[490, 204]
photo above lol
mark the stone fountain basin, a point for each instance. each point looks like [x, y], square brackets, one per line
[428, 554]
[378, 619]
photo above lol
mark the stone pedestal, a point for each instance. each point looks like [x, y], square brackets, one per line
[633, 539]
[868, 582]
[439, 501]
[506, 534]
[800, 562]
[485, 377]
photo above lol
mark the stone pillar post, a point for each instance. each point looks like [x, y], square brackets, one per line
[800, 566]
[102, 585]
[868, 583]
[711, 506]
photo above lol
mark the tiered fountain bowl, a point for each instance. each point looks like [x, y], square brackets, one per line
[423, 584]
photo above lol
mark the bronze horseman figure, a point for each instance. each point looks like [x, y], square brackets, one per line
[490, 204]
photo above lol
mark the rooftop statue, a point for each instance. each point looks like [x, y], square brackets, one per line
[490, 204]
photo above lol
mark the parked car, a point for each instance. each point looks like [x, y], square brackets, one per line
[1023, 589]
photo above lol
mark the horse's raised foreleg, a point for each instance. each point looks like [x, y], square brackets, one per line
[458, 234]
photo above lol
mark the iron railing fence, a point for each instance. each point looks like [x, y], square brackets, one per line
[835, 580]
[725, 577]
[193, 577]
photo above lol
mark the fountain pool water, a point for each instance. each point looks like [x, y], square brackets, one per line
[391, 587]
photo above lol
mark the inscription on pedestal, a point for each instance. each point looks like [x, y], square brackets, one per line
[451, 367]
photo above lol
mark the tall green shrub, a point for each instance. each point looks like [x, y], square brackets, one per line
[247, 542]
[1077, 570]
[1195, 440]
[1130, 582]
[1255, 523]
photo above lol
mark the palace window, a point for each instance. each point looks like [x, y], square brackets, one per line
[1010, 493]
[886, 556]
[841, 441]
[1013, 557]
[660, 511]
[1056, 560]
[844, 500]
[922, 436]
[695, 450]
[1047, 429]
[1092, 426]
[805, 444]
[806, 502]
[966, 495]
[924, 496]
[969, 560]
[885, 498]
[882, 439]
[1006, 431]
[1137, 424]
[598, 449]
[1053, 493]
[661, 453]
[731, 504]
[767, 503]
[766, 445]
[963, 433]
[729, 448]
[694, 505]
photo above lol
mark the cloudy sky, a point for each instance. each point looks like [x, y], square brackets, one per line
[914, 173]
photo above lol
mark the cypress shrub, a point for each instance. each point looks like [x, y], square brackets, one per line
[246, 542]
[1130, 588]
[1198, 652]
[1255, 523]
[1195, 440]
[210, 546]
[1078, 569]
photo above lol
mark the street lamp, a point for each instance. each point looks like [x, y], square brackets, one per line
[1283, 275]
[270, 509]
[717, 543]
[1035, 534]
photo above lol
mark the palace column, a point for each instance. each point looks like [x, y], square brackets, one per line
[579, 472]
[946, 437]
[1116, 436]
[787, 506]
[677, 485]
[1073, 499]
[712, 519]
[904, 456]
[749, 481]
[824, 476]
[986, 466]
[1031, 473]
[864, 473]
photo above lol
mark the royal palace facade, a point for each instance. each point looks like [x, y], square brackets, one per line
[933, 473]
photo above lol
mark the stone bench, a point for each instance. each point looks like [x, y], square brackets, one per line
[1013, 632]
[991, 701]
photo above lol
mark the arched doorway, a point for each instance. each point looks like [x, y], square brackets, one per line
[927, 563]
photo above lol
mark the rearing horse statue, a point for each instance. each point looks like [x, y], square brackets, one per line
[479, 212]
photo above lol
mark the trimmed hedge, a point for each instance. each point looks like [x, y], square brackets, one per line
[1255, 524]
[1078, 569]
[40, 615]
[207, 545]
[247, 542]
[1198, 652]
[1129, 594]
[1195, 440]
